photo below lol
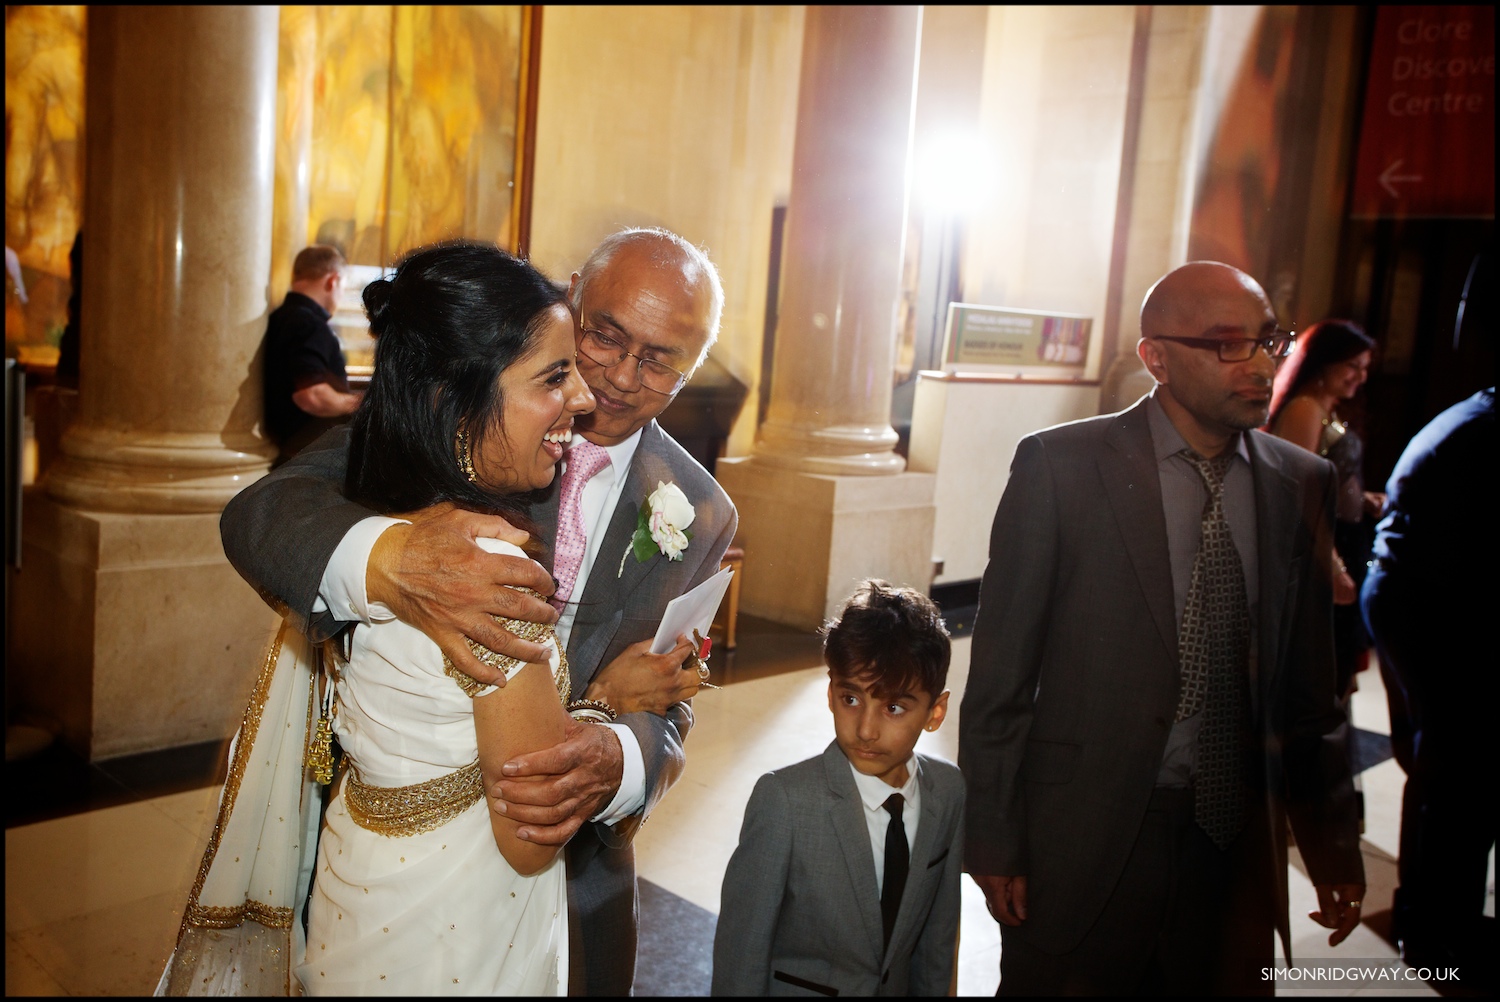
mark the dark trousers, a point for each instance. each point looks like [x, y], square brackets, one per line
[602, 917]
[1185, 918]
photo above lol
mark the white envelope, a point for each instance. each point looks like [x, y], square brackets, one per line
[691, 611]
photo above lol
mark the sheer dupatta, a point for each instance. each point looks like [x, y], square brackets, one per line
[242, 931]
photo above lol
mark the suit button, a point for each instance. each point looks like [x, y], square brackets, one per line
[1161, 722]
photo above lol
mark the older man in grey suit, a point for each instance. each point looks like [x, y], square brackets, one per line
[1151, 691]
[647, 304]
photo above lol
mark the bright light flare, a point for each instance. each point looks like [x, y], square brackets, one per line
[955, 173]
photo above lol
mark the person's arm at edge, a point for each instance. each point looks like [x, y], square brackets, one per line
[1010, 632]
[754, 885]
[321, 399]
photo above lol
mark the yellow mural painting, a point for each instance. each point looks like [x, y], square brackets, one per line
[396, 127]
[43, 166]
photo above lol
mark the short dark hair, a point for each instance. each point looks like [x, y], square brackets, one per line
[892, 638]
[449, 321]
[315, 262]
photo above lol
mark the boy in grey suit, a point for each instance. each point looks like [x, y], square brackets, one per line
[846, 879]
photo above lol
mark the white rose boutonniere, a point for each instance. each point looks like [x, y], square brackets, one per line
[662, 526]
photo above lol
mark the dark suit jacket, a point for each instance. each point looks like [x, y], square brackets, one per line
[281, 531]
[800, 914]
[1074, 675]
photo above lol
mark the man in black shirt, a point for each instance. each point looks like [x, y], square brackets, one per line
[306, 387]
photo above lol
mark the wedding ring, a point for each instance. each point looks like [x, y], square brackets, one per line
[1352, 904]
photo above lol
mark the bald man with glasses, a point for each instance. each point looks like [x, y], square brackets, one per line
[1151, 691]
[647, 306]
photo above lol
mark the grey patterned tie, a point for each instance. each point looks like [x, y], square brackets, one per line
[1214, 646]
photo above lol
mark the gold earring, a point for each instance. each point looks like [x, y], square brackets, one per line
[465, 460]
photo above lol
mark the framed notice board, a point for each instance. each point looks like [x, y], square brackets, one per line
[1024, 342]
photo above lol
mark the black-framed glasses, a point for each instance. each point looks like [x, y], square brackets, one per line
[607, 351]
[1240, 349]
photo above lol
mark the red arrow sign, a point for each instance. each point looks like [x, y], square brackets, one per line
[1427, 143]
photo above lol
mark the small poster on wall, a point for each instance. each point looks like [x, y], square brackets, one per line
[1022, 342]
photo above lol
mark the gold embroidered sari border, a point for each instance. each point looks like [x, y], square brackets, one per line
[249, 726]
[401, 811]
[270, 916]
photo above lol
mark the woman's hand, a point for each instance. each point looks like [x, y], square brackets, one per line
[638, 681]
[1374, 503]
[1345, 592]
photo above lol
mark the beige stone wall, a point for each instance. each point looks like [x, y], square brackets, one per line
[680, 117]
[1052, 114]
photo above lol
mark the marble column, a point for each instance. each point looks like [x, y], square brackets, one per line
[824, 500]
[181, 111]
[131, 630]
[830, 406]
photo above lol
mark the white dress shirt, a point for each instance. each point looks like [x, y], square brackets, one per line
[873, 792]
[343, 588]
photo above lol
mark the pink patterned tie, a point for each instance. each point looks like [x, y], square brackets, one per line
[585, 459]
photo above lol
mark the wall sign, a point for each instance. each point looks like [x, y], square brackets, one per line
[990, 338]
[1427, 143]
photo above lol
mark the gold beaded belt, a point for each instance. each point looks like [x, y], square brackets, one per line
[398, 811]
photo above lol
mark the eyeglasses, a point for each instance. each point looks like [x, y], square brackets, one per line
[1239, 349]
[606, 351]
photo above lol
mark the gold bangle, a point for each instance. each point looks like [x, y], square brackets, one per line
[587, 708]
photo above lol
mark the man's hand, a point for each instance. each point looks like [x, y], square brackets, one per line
[1006, 897]
[1339, 904]
[432, 575]
[552, 792]
[639, 681]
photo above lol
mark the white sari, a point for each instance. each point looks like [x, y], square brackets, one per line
[412, 896]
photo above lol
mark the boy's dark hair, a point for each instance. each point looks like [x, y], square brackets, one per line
[891, 638]
[447, 324]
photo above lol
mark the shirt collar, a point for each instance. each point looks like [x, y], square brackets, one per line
[1167, 441]
[874, 791]
[620, 454]
[310, 301]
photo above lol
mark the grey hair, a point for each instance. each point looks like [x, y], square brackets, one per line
[666, 248]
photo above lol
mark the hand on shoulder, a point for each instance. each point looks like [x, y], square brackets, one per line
[435, 575]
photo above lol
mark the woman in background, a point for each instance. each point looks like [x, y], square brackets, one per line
[1328, 365]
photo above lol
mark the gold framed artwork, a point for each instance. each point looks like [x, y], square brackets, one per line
[396, 126]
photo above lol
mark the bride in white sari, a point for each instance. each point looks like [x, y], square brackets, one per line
[418, 887]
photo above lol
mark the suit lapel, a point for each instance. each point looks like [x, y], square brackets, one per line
[1276, 517]
[854, 839]
[1127, 465]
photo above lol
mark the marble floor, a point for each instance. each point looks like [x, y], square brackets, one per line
[93, 898]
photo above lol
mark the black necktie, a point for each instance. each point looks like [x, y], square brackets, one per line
[1214, 647]
[897, 859]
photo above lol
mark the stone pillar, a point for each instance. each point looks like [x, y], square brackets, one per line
[132, 630]
[823, 501]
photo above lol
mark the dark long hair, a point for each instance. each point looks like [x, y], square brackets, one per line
[449, 321]
[1325, 343]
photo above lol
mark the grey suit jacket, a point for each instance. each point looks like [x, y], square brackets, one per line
[800, 914]
[281, 531]
[1074, 674]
